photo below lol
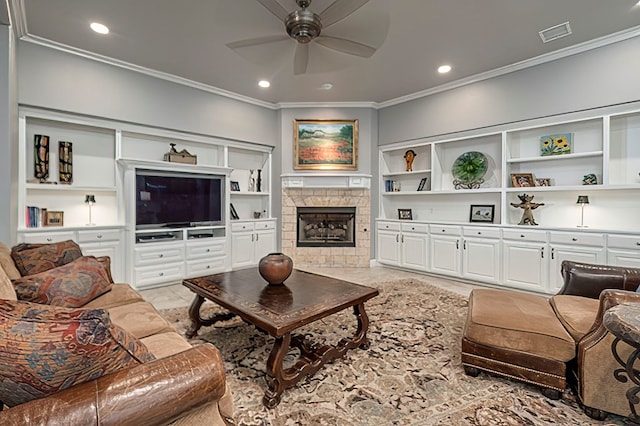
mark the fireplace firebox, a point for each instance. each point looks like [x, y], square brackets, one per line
[326, 227]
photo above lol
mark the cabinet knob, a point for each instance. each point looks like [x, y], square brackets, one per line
[638, 243]
[479, 233]
[162, 255]
[208, 250]
[443, 230]
[98, 236]
[413, 228]
[49, 239]
[161, 274]
[208, 266]
[574, 239]
[521, 235]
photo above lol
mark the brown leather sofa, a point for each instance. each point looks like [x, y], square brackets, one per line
[546, 341]
[184, 385]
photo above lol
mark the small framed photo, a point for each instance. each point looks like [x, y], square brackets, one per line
[54, 219]
[543, 182]
[234, 213]
[405, 214]
[482, 213]
[422, 184]
[522, 180]
[235, 186]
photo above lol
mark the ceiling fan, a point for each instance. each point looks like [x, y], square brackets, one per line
[305, 26]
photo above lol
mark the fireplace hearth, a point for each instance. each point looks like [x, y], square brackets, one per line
[326, 227]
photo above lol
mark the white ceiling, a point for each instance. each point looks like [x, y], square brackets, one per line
[188, 38]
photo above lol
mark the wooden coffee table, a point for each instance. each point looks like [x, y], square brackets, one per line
[279, 310]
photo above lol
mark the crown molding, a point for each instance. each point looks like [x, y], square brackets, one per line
[18, 17]
[528, 63]
[288, 105]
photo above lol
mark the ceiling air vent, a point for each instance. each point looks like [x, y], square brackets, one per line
[555, 32]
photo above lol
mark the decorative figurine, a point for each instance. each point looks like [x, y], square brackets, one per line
[65, 157]
[408, 158]
[41, 157]
[252, 180]
[527, 206]
[590, 179]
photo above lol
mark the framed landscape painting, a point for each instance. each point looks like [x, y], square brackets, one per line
[325, 145]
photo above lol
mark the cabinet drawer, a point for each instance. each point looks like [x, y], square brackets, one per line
[577, 239]
[445, 230]
[97, 236]
[205, 267]
[159, 255]
[415, 227]
[48, 237]
[624, 241]
[481, 232]
[389, 226]
[242, 226]
[265, 225]
[524, 235]
[158, 274]
[205, 250]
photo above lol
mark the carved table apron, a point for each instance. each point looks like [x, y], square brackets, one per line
[279, 310]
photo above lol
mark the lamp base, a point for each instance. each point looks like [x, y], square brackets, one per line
[90, 224]
[582, 226]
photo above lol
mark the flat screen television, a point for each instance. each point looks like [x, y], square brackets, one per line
[177, 200]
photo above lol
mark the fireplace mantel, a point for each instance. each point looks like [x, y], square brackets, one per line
[326, 180]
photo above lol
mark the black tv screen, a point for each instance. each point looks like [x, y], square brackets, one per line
[178, 199]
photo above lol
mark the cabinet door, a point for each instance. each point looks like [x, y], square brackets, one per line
[525, 265]
[414, 251]
[265, 243]
[445, 255]
[628, 258]
[559, 253]
[242, 245]
[388, 248]
[481, 259]
[111, 249]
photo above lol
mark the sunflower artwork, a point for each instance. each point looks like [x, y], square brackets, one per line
[556, 144]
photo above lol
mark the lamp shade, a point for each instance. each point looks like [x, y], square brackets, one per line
[89, 198]
[583, 199]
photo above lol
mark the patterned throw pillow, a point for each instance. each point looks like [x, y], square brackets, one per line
[34, 258]
[45, 349]
[72, 285]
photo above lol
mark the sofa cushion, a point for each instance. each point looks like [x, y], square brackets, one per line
[6, 262]
[34, 258]
[162, 345]
[519, 322]
[140, 319]
[45, 349]
[576, 313]
[120, 294]
[71, 285]
[6, 288]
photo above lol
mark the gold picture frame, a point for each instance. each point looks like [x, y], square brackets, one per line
[54, 219]
[325, 144]
[522, 180]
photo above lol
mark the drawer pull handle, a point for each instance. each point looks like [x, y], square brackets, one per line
[521, 235]
[638, 243]
[208, 250]
[162, 255]
[574, 239]
[49, 239]
[208, 266]
[161, 274]
[98, 236]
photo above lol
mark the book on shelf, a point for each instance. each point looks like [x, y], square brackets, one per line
[35, 216]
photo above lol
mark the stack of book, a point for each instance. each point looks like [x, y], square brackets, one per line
[35, 216]
[391, 185]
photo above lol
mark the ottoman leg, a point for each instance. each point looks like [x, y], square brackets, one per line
[471, 371]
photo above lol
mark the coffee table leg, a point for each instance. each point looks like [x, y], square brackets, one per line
[276, 381]
[197, 321]
[360, 338]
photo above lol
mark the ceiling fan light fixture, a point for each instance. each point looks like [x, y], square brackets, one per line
[303, 25]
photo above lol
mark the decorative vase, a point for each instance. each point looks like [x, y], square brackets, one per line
[275, 268]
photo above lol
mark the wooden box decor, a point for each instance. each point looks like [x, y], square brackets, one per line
[175, 156]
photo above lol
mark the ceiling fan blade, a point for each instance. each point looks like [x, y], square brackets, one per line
[256, 41]
[301, 59]
[340, 9]
[346, 46]
[274, 7]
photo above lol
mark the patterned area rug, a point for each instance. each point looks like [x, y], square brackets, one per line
[411, 374]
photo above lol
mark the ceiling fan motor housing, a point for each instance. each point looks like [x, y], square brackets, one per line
[303, 25]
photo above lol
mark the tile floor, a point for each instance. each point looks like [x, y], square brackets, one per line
[176, 295]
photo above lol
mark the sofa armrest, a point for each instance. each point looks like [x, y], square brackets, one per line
[156, 392]
[583, 279]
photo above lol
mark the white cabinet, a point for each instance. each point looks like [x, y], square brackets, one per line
[46, 237]
[106, 242]
[481, 254]
[250, 241]
[524, 259]
[445, 255]
[403, 244]
[205, 257]
[623, 250]
[577, 247]
[158, 263]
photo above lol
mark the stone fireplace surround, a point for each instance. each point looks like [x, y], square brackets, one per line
[357, 256]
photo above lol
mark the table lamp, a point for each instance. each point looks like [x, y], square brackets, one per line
[90, 200]
[582, 200]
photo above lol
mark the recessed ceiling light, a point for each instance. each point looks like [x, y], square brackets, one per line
[99, 28]
[444, 69]
[326, 86]
[264, 84]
